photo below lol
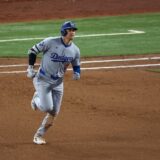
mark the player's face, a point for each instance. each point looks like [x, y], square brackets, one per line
[70, 34]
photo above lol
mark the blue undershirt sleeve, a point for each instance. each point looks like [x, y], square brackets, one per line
[77, 69]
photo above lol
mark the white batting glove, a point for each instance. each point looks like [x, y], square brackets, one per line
[76, 76]
[31, 72]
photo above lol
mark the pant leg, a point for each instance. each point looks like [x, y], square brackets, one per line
[43, 99]
[57, 95]
[45, 125]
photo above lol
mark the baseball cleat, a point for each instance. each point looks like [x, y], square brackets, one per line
[39, 140]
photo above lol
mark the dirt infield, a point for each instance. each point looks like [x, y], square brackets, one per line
[110, 114]
[27, 10]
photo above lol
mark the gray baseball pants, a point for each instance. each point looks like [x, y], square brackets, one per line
[48, 99]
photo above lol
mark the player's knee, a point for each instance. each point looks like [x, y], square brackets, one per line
[45, 108]
[50, 109]
[53, 112]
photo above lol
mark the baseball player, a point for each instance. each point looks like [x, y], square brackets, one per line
[58, 53]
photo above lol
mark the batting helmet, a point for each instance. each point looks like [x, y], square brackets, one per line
[67, 25]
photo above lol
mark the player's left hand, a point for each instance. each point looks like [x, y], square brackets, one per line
[76, 76]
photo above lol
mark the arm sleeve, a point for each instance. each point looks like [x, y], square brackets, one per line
[77, 69]
[32, 59]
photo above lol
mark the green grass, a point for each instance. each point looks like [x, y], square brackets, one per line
[91, 46]
[156, 70]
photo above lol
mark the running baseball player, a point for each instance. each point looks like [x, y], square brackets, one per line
[58, 53]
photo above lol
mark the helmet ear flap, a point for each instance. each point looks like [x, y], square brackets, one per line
[63, 32]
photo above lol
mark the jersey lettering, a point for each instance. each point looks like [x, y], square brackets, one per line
[56, 58]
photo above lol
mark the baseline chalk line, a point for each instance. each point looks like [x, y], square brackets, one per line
[94, 68]
[94, 61]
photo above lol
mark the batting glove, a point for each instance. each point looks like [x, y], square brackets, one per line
[76, 76]
[31, 72]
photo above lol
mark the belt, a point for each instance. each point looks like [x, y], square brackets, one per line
[51, 76]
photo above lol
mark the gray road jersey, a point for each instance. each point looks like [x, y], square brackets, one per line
[56, 58]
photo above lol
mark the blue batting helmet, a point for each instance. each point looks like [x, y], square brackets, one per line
[67, 25]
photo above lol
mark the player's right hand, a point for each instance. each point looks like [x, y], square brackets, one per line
[31, 72]
[76, 76]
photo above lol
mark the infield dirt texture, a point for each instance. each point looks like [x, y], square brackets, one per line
[110, 114]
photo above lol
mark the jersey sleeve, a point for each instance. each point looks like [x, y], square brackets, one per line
[40, 47]
[76, 62]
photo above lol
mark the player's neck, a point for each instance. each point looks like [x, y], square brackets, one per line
[66, 41]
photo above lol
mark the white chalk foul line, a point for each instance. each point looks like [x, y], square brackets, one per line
[88, 62]
[121, 60]
[78, 36]
[95, 68]
[113, 34]
[13, 65]
[121, 67]
[12, 72]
